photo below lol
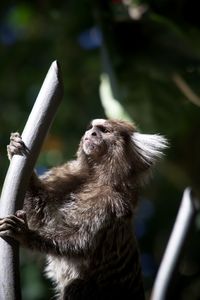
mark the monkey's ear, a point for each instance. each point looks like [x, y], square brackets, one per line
[149, 147]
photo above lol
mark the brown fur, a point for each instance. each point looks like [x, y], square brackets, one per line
[80, 215]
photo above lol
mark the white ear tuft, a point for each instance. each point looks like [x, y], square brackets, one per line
[149, 147]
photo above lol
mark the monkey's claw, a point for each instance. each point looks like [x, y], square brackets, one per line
[16, 146]
[15, 227]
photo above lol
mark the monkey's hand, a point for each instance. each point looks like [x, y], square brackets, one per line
[15, 226]
[16, 146]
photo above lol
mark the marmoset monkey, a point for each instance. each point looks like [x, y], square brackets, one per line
[80, 214]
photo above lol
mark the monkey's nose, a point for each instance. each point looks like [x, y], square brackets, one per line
[91, 133]
[94, 133]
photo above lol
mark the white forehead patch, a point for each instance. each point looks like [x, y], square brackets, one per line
[98, 122]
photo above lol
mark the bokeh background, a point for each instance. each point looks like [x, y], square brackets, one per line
[131, 59]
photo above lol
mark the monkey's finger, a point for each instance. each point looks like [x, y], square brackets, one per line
[16, 139]
[12, 150]
[7, 227]
[17, 220]
[14, 221]
[7, 221]
[17, 143]
[16, 147]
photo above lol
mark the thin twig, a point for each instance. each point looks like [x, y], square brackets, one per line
[186, 89]
[175, 245]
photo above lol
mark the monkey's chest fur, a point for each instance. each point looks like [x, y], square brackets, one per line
[62, 271]
[99, 257]
[101, 275]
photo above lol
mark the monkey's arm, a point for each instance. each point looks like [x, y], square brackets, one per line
[62, 178]
[68, 241]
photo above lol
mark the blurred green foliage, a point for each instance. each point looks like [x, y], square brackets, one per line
[153, 49]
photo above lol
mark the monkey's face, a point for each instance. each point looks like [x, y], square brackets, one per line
[118, 141]
[94, 141]
[106, 137]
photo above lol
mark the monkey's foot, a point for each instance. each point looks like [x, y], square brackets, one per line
[16, 146]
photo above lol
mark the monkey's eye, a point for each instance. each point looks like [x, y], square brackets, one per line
[103, 129]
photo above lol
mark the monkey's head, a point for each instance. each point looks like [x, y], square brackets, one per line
[118, 145]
